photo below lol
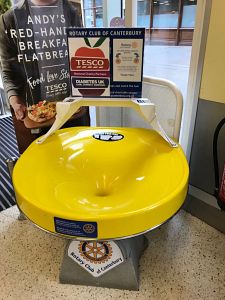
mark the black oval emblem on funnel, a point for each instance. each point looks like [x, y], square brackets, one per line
[108, 136]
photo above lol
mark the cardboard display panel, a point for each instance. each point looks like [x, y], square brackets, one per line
[34, 63]
[106, 62]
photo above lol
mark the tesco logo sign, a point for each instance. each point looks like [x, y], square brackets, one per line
[95, 63]
[89, 62]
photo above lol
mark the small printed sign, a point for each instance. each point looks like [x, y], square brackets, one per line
[96, 257]
[106, 62]
[127, 66]
[76, 228]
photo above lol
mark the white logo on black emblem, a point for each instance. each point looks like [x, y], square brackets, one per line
[108, 136]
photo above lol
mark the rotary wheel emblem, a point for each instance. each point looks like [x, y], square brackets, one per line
[89, 228]
[95, 252]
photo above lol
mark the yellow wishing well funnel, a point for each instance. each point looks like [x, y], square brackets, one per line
[101, 183]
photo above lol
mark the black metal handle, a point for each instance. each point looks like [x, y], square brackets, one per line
[215, 156]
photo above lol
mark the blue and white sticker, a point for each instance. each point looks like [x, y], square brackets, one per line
[76, 228]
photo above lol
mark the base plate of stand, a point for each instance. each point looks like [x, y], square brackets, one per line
[112, 264]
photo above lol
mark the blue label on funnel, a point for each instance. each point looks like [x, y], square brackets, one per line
[76, 228]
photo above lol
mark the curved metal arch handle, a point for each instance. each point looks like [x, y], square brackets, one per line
[70, 105]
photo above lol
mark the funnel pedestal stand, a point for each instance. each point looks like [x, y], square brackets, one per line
[112, 264]
[76, 158]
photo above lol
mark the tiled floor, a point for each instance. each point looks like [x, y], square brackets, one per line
[185, 260]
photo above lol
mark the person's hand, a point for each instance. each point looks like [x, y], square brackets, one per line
[18, 106]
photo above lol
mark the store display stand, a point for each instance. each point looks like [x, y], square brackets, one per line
[105, 245]
[122, 276]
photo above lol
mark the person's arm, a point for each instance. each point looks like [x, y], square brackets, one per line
[18, 106]
[11, 70]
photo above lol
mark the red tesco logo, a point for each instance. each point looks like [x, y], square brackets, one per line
[78, 63]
